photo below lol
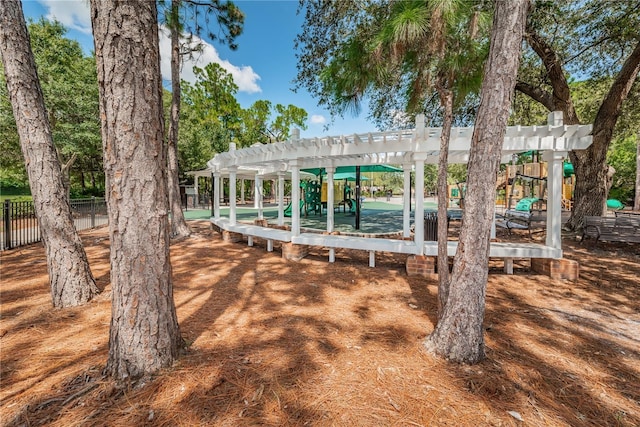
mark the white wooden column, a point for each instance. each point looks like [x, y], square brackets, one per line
[242, 191]
[418, 214]
[295, 197]
[257, 203]
[555, 173]
[281, 176]
[330, 197]
[216, 195]
[195, 188]
[406, 199]
[330, 212]
[232, 195]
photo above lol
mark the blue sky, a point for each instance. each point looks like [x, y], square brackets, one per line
[263, 67]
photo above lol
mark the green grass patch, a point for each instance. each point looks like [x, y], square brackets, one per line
[15, 198]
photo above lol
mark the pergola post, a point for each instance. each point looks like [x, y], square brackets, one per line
[554, 197]
[330, 213]
[216, 195]
[257, 202]
[232, 194]
[406, 199]
[281, 175]
[418, 215]
[295, 198]
[242, 191]
[555, 173]
[330, 197]
[195, 189]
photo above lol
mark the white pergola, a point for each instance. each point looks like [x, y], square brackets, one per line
[410, 148]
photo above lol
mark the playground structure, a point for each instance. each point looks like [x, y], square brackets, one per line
[315, 197]
[522, 187]
[526, 185]
[410, 148]
[310, 202]
[456, 193]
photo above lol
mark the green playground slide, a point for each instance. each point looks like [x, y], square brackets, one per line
[287, 211]
[353, 206]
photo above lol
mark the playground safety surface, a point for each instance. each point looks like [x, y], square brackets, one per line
[279, 343]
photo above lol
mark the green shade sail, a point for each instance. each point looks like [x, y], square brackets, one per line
[352, 169]
[349, 176]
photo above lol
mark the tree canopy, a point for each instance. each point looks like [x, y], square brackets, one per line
[584, 41]
[69, 85]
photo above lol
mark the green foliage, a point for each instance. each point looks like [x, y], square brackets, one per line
[394, 53]
[69, 85]
[210, 111]
[622, 156]
[286, 118]
[588, 97]
[194, 17]
[211, 118]
[592, 38]
[255, 123]
[457, 173]
[258, 124]
[430, 178]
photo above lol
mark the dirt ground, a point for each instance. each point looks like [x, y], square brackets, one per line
[272, 342]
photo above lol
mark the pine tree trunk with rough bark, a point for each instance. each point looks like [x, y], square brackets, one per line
[70, 277]
[179, 227]
[446, 101]
[458, 336]
[144, 335]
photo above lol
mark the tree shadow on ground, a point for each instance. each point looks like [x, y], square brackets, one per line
[273, 342]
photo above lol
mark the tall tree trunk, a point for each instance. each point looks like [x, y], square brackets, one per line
[83, 183]
[144, 335]
[458, 336]
[446, 100]
[69, 274]
[179, 227]
[66, 172]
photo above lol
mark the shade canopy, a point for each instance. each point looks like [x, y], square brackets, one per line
[352, 169]
[349, 176]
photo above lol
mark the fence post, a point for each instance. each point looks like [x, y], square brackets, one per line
[7, 224]
[93, 211]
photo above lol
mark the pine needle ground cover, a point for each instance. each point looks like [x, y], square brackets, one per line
[272, 342]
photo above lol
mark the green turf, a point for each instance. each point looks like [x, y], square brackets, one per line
[375, 217]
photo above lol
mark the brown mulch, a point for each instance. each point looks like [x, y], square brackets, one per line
[279, 343]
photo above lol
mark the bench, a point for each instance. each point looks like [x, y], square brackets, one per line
[251, 231]
[632, 214]
[513, 219]
[618, 229]
[370, 244]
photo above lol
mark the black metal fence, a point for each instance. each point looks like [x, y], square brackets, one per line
[20, 225]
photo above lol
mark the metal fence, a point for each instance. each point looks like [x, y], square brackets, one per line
[20, 225]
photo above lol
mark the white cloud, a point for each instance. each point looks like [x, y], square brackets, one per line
[318, 119]
[243, 76]
[74, 15]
